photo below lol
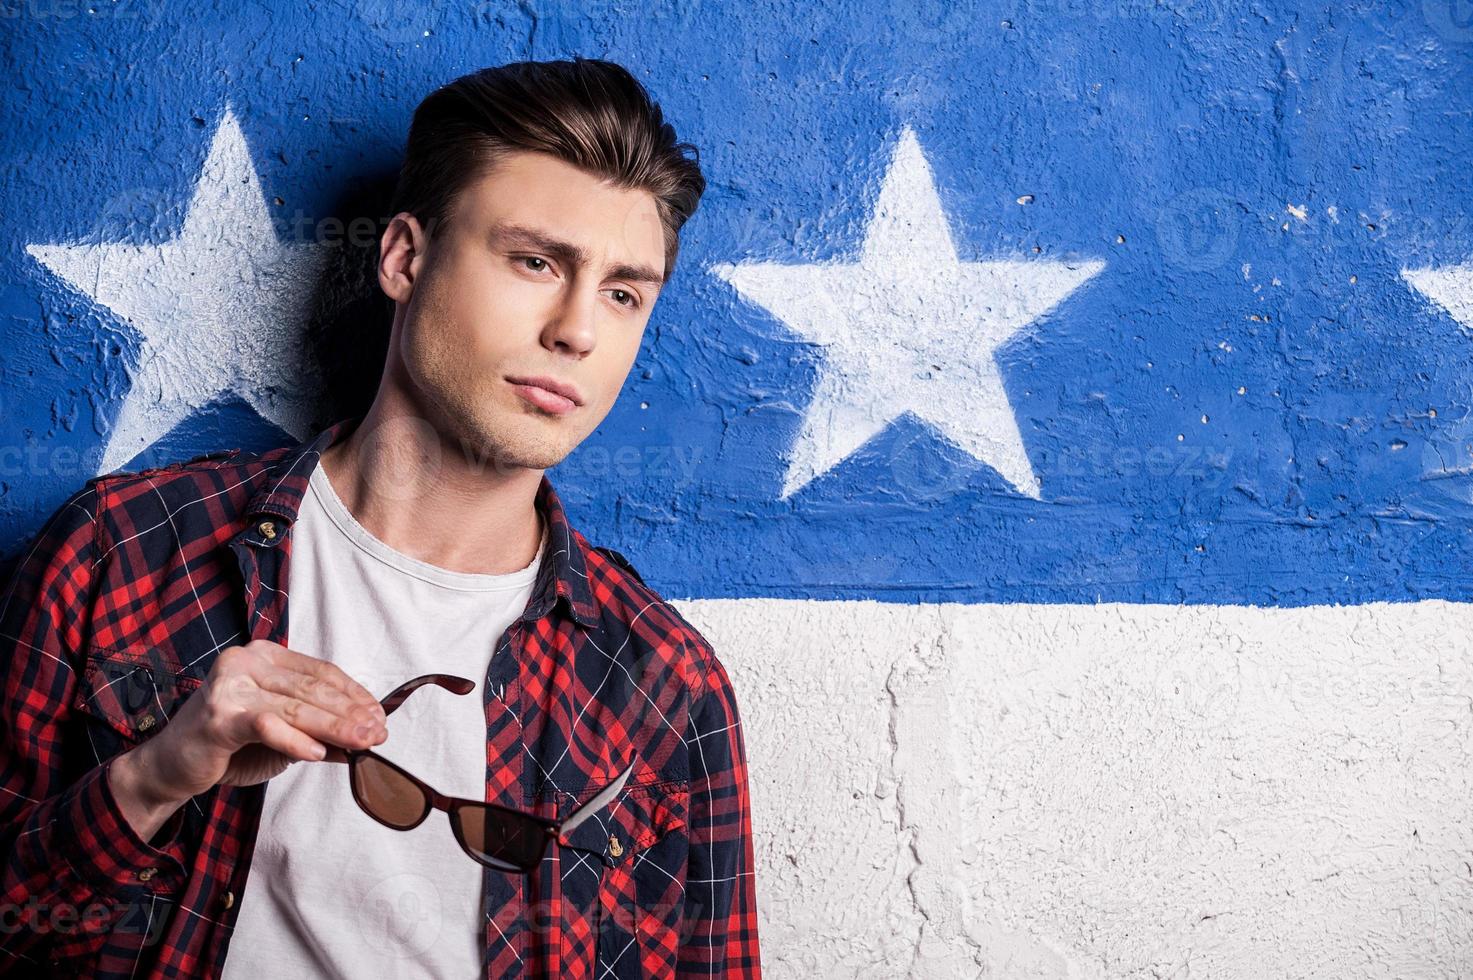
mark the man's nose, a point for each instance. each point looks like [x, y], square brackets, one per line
[572, 327]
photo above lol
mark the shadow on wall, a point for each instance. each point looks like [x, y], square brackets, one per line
[348, 332]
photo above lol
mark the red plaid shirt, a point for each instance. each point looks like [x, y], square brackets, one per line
[134, 585]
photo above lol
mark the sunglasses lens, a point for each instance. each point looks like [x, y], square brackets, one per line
[501, 839]
[384, 792]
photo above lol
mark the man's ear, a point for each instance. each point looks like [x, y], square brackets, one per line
[401, 256]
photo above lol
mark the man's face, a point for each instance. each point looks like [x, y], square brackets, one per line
[499, 298]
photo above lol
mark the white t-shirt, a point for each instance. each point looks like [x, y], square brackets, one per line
[331, 892]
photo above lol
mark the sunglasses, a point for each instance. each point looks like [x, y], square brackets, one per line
[496, 836]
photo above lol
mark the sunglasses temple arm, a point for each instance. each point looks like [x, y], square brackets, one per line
[451, 683]
[599, 800]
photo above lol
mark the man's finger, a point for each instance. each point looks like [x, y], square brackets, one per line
[322, 669]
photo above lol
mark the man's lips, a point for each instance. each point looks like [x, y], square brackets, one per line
[548, 394]
[554, 385]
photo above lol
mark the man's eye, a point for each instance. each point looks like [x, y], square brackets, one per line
[633, 300]
[533, 258]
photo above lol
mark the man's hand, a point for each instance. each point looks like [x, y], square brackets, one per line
[261, 708]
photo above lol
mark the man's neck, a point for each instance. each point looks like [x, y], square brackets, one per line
[428, 503]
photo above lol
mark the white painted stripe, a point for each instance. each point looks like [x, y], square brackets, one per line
[1110, 790]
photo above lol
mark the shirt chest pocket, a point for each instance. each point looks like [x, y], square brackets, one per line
[623, 878]
[124, 698]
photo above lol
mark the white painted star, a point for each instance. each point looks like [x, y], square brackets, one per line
[221, 307]
[909, 328]
[1450, 287]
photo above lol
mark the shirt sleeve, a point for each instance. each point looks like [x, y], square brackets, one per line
[719, 932]
[73, 865]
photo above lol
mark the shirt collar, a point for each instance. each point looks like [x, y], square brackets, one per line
[563, 571]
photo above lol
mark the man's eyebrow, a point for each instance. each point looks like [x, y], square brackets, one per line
[521, 236]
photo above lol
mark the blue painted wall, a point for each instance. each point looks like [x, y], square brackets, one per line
[1247, 405]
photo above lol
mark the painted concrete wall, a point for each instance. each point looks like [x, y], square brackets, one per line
[1061, 422]
[1072, 791]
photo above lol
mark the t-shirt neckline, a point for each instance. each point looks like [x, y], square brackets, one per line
[343, 519]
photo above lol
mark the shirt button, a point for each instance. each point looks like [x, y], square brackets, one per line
[267, 529]
[228, 900]
[615, 848]
[147, 873]
[145, 723]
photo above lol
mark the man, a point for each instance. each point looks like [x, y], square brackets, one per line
[168, 793]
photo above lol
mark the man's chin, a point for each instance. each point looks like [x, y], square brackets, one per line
[506, 456]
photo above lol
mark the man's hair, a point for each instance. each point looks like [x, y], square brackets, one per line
[591, 114]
